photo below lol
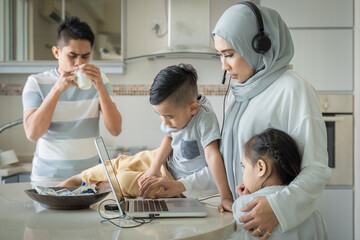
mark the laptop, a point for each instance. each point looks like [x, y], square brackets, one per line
[147, 208]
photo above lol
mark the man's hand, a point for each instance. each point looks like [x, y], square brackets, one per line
[171, 187]
[92, 72]
[66, 80]
[261, 220]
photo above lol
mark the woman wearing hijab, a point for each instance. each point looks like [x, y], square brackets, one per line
[266, 93]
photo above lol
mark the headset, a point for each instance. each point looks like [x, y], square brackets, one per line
[260, 43]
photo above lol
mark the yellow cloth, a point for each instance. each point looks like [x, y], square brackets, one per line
[128, 169]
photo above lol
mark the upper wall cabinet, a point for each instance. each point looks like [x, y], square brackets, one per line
[324, 57]
[322, 32]
[313, 13]
[30, 28]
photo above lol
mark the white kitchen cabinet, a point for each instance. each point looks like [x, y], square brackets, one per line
[336, 208]
[324, 57]
[313, 13]
[322, 31]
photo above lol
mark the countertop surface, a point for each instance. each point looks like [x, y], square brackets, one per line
[23, 218]
[8, 170]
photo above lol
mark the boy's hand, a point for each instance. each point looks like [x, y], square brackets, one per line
[148, 174]
[225, 205]
[73, 181]
[242, 190]
[171, 188]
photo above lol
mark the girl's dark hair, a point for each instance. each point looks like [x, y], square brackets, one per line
[280, 149]
[72, 28]
[177, 82]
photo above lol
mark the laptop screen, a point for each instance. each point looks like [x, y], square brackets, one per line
[109, 169]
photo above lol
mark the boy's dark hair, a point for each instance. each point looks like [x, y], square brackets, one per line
[280, 149]
[176, 82]
[72, 28]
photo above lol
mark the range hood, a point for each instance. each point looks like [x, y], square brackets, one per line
[188, 31]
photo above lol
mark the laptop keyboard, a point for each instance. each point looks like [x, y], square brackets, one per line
[150, 206]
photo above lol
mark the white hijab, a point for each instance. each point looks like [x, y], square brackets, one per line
[238, 26]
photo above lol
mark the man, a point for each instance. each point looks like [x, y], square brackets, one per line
[62, 118]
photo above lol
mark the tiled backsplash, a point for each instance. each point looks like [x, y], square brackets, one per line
[11, 89]
[121, 89]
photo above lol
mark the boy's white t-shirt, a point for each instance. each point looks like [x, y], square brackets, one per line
[188, 143]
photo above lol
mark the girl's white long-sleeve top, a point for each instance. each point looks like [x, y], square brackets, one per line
[312, 228]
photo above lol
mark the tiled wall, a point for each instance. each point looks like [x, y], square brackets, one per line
[11, 89]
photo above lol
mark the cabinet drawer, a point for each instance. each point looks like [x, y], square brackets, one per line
[336, 208]
[310, 13]
[324, 57]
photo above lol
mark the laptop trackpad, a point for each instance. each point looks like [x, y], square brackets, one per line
[183, 204]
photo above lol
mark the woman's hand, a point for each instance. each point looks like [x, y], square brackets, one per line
[171, 187]
[261, 220]
[225, 205]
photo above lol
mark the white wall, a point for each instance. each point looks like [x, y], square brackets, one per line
[356, 117]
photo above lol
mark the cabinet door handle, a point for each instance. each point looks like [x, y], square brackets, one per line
[333, 119]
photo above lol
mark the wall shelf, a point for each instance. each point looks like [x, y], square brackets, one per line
[115, 67]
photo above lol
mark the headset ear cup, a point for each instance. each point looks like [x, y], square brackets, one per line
[261, 43]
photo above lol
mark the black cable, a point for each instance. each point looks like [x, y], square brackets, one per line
[138, 221]
[224, 102]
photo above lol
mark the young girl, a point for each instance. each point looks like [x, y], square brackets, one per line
[270, 161]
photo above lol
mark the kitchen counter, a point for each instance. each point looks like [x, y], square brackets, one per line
[16, 172]
[23, 218]
[14, 168]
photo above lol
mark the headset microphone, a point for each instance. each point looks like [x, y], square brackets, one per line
[224, 77]
[226, 93]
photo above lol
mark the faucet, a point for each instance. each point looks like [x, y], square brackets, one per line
[10, 124]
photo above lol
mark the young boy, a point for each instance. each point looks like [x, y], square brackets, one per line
[190, 145]
[62, 118]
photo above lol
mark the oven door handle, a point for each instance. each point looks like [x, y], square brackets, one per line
[333, 119]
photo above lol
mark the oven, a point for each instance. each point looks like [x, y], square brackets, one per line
[338, 116]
